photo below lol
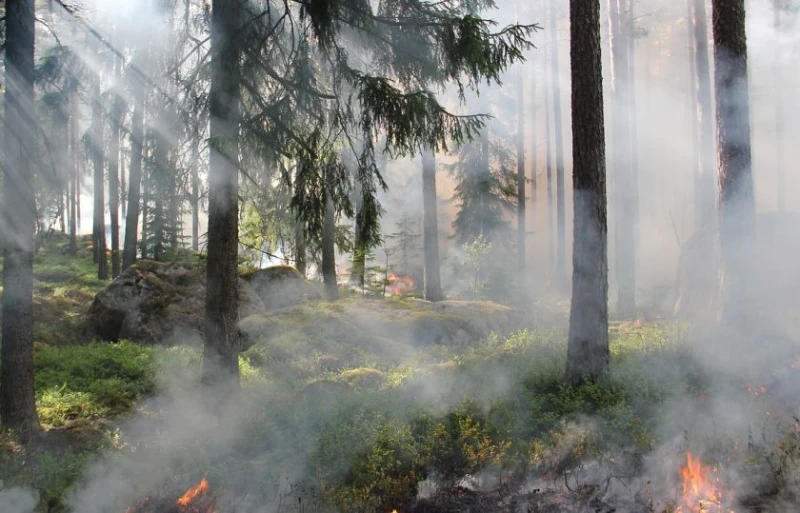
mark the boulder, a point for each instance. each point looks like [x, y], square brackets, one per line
[281, 286]
[155, 302]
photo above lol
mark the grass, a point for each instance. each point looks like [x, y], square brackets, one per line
[394, 415]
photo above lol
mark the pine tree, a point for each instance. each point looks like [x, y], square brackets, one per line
[588, 351]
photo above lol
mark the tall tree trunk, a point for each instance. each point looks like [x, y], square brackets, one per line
[633, 130]
[588, 352]
[99, 225]
[221, 348]
[534, 159]
[548, 163]
[134, 179]
[329, 249]
[299, 247]
[73, 176]
[521, 238]
[17, 398]
[780, 163]
[359, 261]
[704, 192]
[561, 247]
[693, 120]
[195, 200]
[736, 198]
[621, 158]
[113, 174]
[430, 228]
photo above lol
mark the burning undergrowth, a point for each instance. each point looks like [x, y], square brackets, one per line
[486, 428]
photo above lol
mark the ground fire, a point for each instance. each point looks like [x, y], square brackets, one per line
[399, 285]
[700, 492]
[197, 499]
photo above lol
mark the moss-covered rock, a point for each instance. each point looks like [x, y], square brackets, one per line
[156, 302]
[281, 286]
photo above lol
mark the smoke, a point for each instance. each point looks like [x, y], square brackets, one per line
[17, 500]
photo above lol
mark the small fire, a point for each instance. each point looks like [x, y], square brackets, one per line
[700, 491]
[192, 493]
[399, 285]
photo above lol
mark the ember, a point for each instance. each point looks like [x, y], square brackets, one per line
[399, 285]
[700, 491]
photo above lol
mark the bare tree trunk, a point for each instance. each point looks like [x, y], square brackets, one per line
[622, 150]
[221, 348]
[561, 247]
[736, 198]
[780, 162]
[113, 174]
[73, 175]
[588, 352]
[195, 201]
[17, 398]
[430, 228]
[299, 247]
[98, 227]
[704, 192]
[134, 179]
[329, 250]
[521, 238]
[695, 131]
[548, 163]
[534, 158]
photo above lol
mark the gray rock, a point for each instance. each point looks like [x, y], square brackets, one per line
[154, 302]
[281, 286]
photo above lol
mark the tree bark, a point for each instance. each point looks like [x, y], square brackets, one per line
[98, 226]
[329, 250]
[705, 202]
[430, 227]
[521, 238]
[221, 349]
[73, 177]
[299, 247]
[134, 179]
[780, 161]
[561, 247]
[17, 398]
[548, 164]
[588, 352]
[736, 198]
[195, 201]
[113, 174]
[622, 150]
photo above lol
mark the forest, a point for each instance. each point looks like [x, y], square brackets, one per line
[399, 256]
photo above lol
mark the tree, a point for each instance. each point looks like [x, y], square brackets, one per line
[430, 229]
[558, 136]
[113, 169]
[521, 236]
[17, 398]
[704, 203]
[588, 352]
[779, 107]
[134, 177]
[622, 153]
[734, 160]
[95, 146]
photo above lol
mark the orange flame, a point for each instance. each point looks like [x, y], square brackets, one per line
[700, 492]
[192, 493]
[399, 285]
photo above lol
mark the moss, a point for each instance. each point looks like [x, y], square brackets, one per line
[363, 377]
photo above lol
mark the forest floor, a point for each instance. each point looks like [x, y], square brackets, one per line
[333, 425]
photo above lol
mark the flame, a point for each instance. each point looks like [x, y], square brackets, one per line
[192, 493]
[399, 285]
[700, 491]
